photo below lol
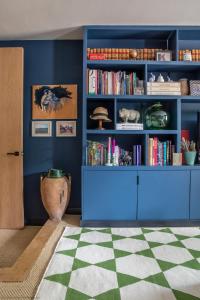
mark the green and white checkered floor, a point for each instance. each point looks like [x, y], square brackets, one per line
[124, 263]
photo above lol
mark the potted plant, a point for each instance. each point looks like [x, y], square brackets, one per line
[189, 150]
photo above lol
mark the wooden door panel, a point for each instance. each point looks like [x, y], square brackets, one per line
[11, 138]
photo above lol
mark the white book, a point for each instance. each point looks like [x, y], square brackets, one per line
[110, 90]
[92, 82]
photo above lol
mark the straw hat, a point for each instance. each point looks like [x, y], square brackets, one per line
[100, 113]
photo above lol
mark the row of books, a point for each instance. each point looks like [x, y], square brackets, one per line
[122, 53]
[110, 154]
[102, 82]
[160, 153]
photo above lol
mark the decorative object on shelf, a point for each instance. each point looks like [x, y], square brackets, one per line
[164, 88]
[129, 115]
[187, 55]
[54, 101]
[100, 114]
[55, 189]
[164, 55]
[189, 148]
[160, 78]
[41, 128]
[195, 87]
[156, 117]
[184, 86]
[133, 53]
[65, 128]
[152, 78]
[177, 159]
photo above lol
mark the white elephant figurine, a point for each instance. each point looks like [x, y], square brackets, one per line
[129, 115]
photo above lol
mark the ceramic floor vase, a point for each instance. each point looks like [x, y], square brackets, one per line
[55, 194]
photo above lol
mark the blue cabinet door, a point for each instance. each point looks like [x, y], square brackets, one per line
[163, 195]
[109, 195]
[195, 195]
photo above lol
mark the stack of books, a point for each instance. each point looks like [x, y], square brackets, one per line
[164, 88]
[110, 154]
[129, 126]
[102, 82]
[160, 153]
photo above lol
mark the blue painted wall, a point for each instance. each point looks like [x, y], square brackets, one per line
[49, 62]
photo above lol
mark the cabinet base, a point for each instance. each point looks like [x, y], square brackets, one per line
[146, 223]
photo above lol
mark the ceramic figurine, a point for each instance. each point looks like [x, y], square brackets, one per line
[152, 78]
[129, 115]
[160, 78]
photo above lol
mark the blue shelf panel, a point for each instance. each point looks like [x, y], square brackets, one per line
[142, 168]
[133, 97]
[106, 132]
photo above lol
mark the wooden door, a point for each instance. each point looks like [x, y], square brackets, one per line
[163, 195]
[11, 138]
[109, 195]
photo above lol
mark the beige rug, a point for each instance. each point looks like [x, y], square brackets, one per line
[14, 242]
[26, 290]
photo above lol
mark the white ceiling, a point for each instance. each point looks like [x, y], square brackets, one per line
[63, 19]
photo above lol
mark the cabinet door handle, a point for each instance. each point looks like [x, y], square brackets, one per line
[138, 180]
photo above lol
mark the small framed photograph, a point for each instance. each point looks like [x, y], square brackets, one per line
[41, 128]
[165, 55]
[65, 128]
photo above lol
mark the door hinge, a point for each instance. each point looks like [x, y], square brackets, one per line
[138, 181]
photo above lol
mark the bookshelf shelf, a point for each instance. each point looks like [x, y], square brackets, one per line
[145, 189]
[132, 132]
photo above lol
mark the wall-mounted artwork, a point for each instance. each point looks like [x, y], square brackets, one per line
[65, 128]
[54, 101]
[41, 128]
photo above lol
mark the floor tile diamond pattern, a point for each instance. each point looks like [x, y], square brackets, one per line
[124, 263]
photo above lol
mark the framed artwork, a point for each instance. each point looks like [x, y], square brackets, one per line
[54, 101]
[165, 55]
[65, 128]
[41, 128]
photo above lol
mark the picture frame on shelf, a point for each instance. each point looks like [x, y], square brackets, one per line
[65, 128]
[164, 55]
[41, 128]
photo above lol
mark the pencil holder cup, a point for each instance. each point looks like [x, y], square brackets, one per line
[190, 157]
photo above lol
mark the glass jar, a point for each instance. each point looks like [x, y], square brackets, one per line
[156, 117]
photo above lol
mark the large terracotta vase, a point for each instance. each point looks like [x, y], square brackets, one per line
[55, 194]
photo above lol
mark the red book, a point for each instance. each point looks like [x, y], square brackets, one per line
[97, 56]
[155, 151]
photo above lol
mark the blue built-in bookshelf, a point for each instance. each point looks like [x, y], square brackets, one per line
[125, 195]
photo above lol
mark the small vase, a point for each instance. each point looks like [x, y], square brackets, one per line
[190, 157]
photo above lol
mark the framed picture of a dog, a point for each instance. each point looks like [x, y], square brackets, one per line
[54, 101]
